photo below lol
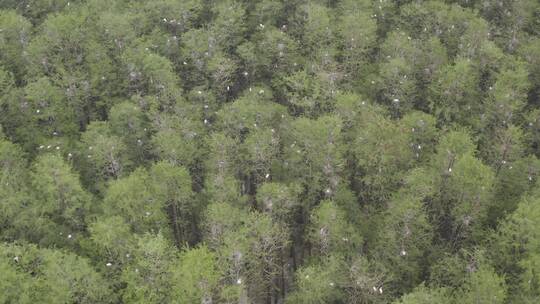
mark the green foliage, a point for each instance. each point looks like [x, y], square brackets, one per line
[197, 276]
[357, 40]
[404, 243]
[313, 155]
[221, 184]
[280, 201]
[58, 206]
[267, 151]
[319, 283]
[423, 295]
[516, 249]
[49, 276]
[13, 187]
[454, 94]
[483, 286]
[171, 187]
[14, 39]
[101, 155]
[273, 51]
[383, 150]
[132, 198]
[149, 277]
[329, 233]
[306, 93]
[110, 239]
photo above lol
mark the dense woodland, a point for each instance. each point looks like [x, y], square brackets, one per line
[270, 151]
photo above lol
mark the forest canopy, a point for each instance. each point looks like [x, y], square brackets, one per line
[270, 151]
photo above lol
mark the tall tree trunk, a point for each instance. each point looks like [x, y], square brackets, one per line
[176, 227]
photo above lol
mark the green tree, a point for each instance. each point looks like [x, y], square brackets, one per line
[454, 95]
[50, 276]
[404, 242]
[424, 295]
[57, 210]
[330, 234]
[483, 286]
[381, 151]
[357, 40]
[515, 248]
[313, 156]
[102, 156]
[320, 283]
[13, 186]
[196, 276]
[151, 74]
[148, 278]
[272, 52]
[250, 249]
[128, 122]
[133, 199]
[15, 36]
[171, 187]
[221, 183]
[176, 145]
